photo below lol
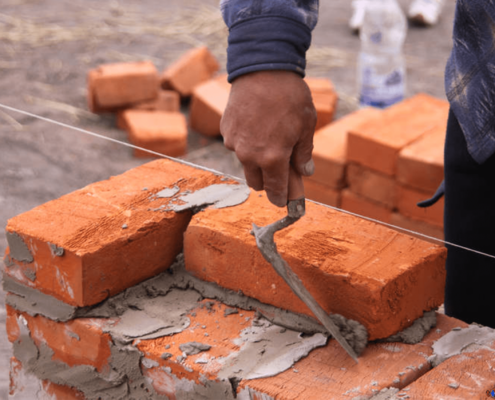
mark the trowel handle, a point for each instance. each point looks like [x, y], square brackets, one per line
[296, 185]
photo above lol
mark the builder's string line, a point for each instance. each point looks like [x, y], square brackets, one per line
[86, 132]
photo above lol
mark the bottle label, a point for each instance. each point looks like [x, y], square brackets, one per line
[381, 90]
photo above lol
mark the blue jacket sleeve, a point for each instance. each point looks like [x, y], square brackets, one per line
[268, 34]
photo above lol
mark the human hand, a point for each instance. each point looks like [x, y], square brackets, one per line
[269, 123]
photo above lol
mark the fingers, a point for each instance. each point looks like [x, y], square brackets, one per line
[276, 182]
[254, 176]
[296, 185]
[302, 154]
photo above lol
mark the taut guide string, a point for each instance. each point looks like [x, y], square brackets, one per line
[86, 132]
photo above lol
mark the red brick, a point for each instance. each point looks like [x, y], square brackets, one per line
[415, 225]
[470, 375]
[372, 185]
[167, 100]
[420, 164]
[328, 372]
[192, 68]
[77, 342]
[324, 99]
[321, 193]
[112, 86]
[407, 199]
[363, 207]
[377, 144]
[353, 267]
[159, 131]
[208, 104]
[101, 258]
[330, 147]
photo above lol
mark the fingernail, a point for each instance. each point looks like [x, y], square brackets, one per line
[308, 168]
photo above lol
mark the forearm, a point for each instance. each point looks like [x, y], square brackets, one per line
[268, 34]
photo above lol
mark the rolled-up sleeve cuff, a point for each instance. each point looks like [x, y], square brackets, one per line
[267, 43]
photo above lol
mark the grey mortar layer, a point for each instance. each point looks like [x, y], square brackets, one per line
[462, 341]
[18, 248]
[216, 196]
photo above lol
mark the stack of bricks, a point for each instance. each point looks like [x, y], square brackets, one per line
[381, 163]
[93, 312]
[148, 105]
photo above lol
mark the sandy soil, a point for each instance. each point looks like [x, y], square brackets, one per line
[47, 47]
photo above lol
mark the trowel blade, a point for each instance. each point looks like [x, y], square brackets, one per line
[268, 248]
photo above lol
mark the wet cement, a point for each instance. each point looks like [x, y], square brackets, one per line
[462, 341]
[417, 331]
[18, 248]
[215, 196]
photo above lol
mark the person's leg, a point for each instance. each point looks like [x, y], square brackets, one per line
[470, 222]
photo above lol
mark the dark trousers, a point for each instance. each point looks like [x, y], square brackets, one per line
[469, 221]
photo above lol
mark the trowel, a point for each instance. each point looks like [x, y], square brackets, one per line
[296, 208]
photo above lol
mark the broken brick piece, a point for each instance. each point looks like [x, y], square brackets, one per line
[112, 86]
[101, 239]
[420, 164]
[414, 226]
[372, 185]
[363, 207]
[330, 147]
[158, 131]
[321, 193]
[364, 271]
[324, 99]
[407, 199]
[377, 144]
[208, 104]
[192, 68]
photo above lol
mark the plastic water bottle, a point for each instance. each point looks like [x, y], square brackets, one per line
[381, 67]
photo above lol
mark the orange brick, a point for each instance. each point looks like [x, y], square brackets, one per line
[377, 144]
[328, 373]
[420, 164]
[77, 342]
[407, 198]
[415, 225]
[352, 267]
[167, 100]
[330, 147]
[208, 104]
[159, 131]
[112, 86]
[321, 193]
[363, 207]
[372, 185]
[324, 99]
[465, 376]
[100, 258]
[192, 68]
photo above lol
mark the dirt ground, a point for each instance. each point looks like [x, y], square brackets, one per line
[48, 46]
